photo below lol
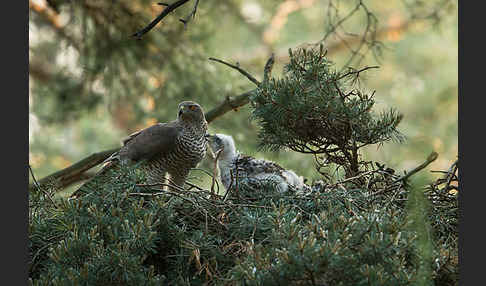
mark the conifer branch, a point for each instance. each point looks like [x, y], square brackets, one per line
[337, 122]
[337, 46]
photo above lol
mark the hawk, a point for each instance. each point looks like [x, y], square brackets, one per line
[174, 147]
[236, 168]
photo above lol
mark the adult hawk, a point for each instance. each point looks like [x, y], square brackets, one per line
[236, 168]
[174, 147]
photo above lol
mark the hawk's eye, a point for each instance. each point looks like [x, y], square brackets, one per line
[192, 107]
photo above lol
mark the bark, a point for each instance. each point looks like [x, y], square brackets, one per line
[76, 172]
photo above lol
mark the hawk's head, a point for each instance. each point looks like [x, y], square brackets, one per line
[224, 144]
[190, 111]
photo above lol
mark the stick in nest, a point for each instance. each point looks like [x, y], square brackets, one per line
[215, 168]
[39, 187]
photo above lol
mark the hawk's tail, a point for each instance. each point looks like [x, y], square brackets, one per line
[108, 164]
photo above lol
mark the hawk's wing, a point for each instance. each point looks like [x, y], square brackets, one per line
[144, 144]
[130, 137]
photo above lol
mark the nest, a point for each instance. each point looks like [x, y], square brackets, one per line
[201, 236]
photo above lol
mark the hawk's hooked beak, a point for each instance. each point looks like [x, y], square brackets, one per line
[181, 110]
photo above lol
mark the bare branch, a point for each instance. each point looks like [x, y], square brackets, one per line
[267, 70]
[230, 103]
[357, 72]
[333, 27]
[39, 187]
[237, 67]
[190, 16]
[33, 177]
[431, 158]
[333, 47]
[170, 185]
[165, 12]
[65, 176]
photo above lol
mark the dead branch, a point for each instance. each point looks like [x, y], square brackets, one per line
[230, 103]
[431, 158]
[267, 70]
[74, 173]
[39, 188]
[168, 8]
[356, 72]
[179, 192]
[237, 67]
[450, 176]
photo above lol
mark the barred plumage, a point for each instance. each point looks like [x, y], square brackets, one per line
[172, 148]
[238, 168]
[190, 149]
